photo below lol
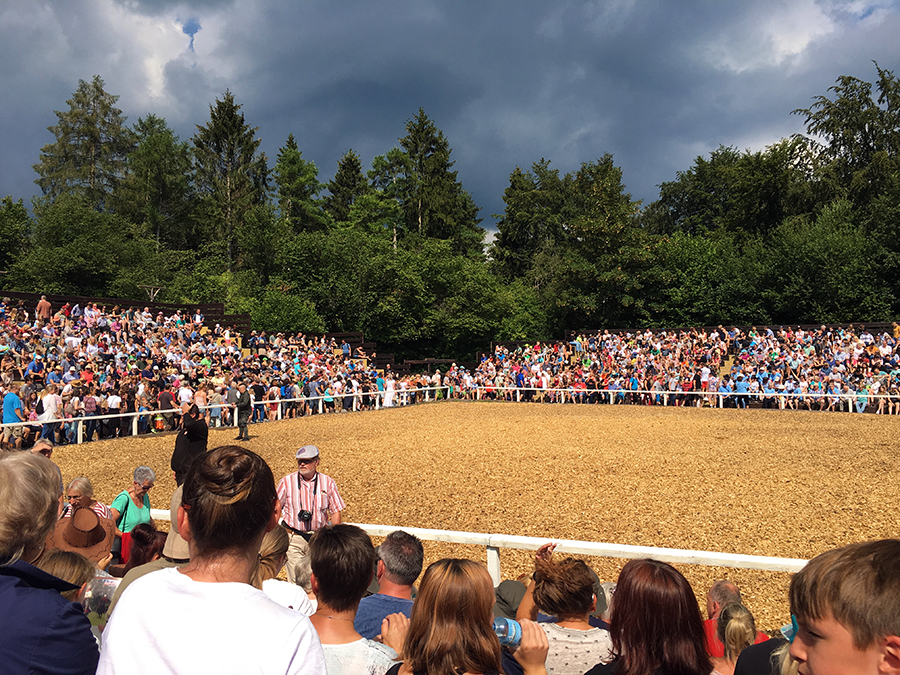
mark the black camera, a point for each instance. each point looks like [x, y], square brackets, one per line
[305, 516]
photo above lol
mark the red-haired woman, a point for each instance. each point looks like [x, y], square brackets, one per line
[656, 627]
[450, 631]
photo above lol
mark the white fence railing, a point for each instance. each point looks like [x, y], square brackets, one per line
[494, 542]
[379, 399]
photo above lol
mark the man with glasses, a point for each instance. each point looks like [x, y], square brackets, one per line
[309, 501]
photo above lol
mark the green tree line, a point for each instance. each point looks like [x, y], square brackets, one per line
[803, 231]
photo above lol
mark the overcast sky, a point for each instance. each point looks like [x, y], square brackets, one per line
[654, 83]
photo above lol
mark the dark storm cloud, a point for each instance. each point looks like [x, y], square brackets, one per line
[654, 83]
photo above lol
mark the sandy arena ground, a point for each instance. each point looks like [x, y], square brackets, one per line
[789, 484]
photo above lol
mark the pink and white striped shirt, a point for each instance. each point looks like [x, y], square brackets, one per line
[319, 496]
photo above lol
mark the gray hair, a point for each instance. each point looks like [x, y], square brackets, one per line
[724, 593]
[402, 555]
[83, 485]
[30, 486]
[143, 473]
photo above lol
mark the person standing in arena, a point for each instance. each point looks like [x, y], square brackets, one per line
[309, 501]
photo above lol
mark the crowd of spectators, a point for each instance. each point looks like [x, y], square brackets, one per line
[838, 369]
[61, 367]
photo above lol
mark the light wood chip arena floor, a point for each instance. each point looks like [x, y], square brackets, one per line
[789, 484]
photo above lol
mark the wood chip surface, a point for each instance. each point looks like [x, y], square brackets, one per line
[776, 483]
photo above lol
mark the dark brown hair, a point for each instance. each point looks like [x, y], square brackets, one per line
[563, 589]
[229, 495]
[146, 545]
[342, 558]
[451, 630]
[656, 622]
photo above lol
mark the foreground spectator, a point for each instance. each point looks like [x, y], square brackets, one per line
[656, 625]
[451, 626]
[399, 564]
[565, 590]
[737, 631]
[40, 631]
[342, 558]
[847, 607]
[206, 617]
[721, 594]
[131, 507]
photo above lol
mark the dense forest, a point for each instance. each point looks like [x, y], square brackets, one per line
[803, 231]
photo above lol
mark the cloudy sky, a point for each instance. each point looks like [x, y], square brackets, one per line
[654, 83]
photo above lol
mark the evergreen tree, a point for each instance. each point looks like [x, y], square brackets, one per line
[348, 184]
[297, 184]
[436, 203]
[230, 175]
[537, 208]
[14, 227]
[92, 143]
[157, 190]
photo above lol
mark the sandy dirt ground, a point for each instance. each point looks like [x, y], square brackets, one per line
[788, 484]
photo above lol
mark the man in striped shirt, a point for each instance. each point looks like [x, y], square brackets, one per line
[309, 501]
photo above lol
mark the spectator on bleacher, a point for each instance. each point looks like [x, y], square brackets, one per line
[656, 625]
[228, 504]
[13, 411]
[399, 564]
[565, 590]
[342, 558]
[309, 501]
[41, 631]
[721, 594]
[451, 626]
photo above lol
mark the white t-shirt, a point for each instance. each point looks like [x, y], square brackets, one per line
[573, 652]
[165, 622]
[288, 595]
[363, 657]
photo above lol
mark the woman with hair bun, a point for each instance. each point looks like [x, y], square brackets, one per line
[565, 590]
[656, 627]
[206, 616]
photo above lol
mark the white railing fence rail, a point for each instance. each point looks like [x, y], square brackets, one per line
[379, 399]
[494, 542]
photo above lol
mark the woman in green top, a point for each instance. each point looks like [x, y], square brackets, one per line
[132, 507]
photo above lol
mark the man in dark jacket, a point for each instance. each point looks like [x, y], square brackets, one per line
[190, 442]
[243, 412]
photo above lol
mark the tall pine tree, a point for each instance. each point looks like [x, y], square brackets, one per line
[157, 190]
[348, 184]
[229, 174]
[434, 203]
[297, 184]
[92, 143]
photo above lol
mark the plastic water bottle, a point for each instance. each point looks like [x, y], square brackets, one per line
[508, 631]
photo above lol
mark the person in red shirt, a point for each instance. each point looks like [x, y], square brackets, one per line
[721, 593]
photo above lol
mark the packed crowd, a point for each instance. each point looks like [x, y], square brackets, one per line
[62, 367]
[205, 597]
[841, 369]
